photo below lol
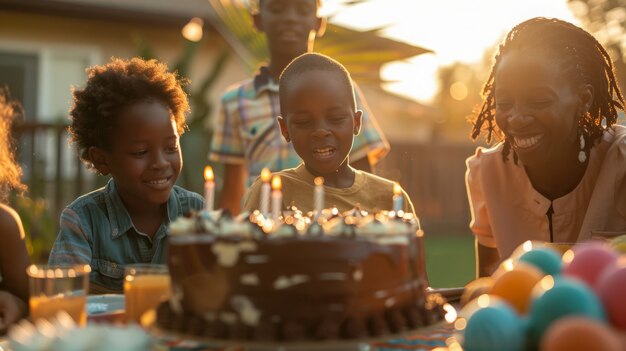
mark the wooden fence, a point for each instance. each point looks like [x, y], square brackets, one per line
[432, 175]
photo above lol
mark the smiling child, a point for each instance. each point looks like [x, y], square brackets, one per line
[319, 117]
[126, 123]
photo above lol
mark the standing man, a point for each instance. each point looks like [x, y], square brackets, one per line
[247, 137]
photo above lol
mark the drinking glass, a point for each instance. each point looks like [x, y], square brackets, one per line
[58, 288]
[145, 287]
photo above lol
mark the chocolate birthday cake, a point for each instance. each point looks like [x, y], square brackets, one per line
[338, 276]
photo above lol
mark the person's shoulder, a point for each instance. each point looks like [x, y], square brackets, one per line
[488, 157]
[612, 144]
[93, 198]
[9, 218]
[189, 200]
[181, 192]
[289, 173]
[370, 178]
[234, 91]
[616, 135]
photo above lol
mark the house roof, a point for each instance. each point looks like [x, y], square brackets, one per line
[152, 12]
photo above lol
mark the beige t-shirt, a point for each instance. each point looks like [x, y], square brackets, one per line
[506, 210]
[369, 191]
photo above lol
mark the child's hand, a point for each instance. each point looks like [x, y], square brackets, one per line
[11, 310]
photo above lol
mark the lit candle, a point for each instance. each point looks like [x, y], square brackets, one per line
[277, 198]
[397, 197]
[209, 188]
[318, 196]
[265, 192]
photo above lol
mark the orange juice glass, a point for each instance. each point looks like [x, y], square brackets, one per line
[58, 288]
[145, 287]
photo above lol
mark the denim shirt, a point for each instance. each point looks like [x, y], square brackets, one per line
[97, 230]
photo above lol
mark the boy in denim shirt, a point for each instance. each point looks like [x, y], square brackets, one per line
[126, 122]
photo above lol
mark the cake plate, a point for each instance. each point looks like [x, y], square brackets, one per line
[192, 341]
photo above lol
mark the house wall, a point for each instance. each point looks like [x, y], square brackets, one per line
[65, 46]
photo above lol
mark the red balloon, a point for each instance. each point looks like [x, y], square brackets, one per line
[611, 289]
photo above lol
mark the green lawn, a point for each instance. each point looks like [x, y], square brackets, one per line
[450, 260]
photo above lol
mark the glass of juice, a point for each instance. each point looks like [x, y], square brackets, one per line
[58, 288]
[145, 287]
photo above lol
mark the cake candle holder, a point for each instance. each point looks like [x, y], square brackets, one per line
[209, 188]
[397, 198]
[266, 175]
[318, 196]
[277, 198]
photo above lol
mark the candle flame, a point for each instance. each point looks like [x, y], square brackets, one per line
[266, 175]
[397, 190]
[318, 181]
[208, 173]
[276, 183]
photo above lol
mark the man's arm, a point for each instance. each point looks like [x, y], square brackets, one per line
[233, 191]
[487, 260]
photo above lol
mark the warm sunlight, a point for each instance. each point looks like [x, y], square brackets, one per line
[456, 30]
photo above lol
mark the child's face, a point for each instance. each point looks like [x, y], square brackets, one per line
[145, 158]
[290, 25]
[537, 107]
[320, 120]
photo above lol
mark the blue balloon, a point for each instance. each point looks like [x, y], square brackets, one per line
[546, 259]
[494, 328]
[568, 297]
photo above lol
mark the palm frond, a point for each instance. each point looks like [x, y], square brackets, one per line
[362, 52]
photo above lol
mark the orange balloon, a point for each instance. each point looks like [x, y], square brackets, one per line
[515, 286]
[580, 334]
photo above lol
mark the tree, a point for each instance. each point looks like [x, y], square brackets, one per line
[606, 20]
[459, 96]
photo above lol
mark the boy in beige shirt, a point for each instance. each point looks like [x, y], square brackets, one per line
[319, 116]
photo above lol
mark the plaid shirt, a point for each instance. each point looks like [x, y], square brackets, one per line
[246, 131]
[97, 230]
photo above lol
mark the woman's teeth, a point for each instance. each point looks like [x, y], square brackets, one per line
[524, 143]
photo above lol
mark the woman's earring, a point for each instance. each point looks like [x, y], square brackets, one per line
[582, 155]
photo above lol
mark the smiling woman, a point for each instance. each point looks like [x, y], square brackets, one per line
[553, 101]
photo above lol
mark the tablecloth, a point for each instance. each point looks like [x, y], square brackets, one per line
[423, 340]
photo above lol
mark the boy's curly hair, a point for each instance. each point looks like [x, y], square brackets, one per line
[115, 86]
[581, 57]
[10, 170]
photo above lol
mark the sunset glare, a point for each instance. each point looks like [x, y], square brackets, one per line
[456, 30]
